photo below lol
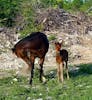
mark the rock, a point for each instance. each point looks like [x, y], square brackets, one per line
[15, 79]
[28, 98]
[1, 29]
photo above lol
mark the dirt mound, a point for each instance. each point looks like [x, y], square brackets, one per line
[54, 19]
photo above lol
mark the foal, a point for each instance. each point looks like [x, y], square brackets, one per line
[30, 47]
[61, 58]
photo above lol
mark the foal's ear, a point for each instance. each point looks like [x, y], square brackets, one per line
[55, 42]
[61, 42]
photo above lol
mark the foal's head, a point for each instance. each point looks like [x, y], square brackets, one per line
[58, 46]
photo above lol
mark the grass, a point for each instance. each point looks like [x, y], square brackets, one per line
[79, 87]
[52, 37]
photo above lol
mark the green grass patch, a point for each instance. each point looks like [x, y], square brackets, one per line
[52, 37]
[79, 87]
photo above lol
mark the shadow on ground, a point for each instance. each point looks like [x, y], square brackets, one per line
[82, 69]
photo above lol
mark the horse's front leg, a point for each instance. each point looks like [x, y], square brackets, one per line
[32, 70]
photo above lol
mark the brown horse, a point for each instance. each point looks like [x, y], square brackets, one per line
[30, 47]
[61, 58]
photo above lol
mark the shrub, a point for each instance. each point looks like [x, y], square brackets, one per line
[8, 11]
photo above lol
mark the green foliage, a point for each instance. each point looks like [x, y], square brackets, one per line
[52, 37]
[29, 15]
[87, 5]
[67, 5]
[8, 11]
[76, 4]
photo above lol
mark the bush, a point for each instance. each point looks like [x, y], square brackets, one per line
[87, 5]
[8, 11]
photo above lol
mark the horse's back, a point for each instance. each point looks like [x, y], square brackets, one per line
[33, 40]
[36, 42]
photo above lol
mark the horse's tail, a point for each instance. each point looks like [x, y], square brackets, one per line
[13, 50]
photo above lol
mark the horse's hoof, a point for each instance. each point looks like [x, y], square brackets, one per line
[44, 80]
[30, 82]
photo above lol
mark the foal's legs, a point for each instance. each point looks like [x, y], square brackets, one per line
[60, 72]
[67, 70]
[41, 68]
[61, 68]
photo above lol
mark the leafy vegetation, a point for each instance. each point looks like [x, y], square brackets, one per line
[79, 87]
[52, 37]
[8, 11]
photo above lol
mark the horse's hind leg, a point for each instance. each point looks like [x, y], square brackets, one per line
[30, 62]
[67, 70]
[41, 68]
